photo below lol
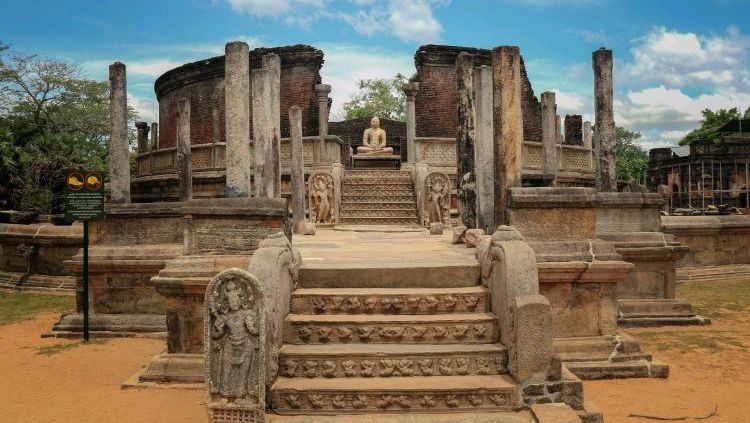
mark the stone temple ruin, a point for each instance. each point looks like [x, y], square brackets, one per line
[292, 270]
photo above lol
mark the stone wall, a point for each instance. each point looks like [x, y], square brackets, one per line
[713, 240]
[573, 130]
[436, 99]
[202, 83]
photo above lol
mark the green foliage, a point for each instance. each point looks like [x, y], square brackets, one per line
[17, 306]
[747, 113]
[379, 97]
[710, 124]
[632, 159]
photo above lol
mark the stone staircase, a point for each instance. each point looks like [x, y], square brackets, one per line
[389, 341]
[378, 197]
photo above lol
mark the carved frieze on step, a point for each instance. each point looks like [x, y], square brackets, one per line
[321, 333]
[401, 304]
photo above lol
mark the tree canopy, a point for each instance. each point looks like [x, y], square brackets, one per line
[632, 159]
[378, 97]
[710, 124]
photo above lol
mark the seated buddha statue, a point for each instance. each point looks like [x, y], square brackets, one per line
[373, 141]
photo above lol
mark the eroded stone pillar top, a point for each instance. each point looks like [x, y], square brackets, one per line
[322, 89]
[410, 89]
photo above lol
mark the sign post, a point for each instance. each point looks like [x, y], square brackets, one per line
[84, 200]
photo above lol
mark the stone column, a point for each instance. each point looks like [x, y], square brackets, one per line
[237, 109]
[508, 124]
[321, 94]
[184, 160]
[484, 149]
[410, 90]
[154, 136]
[604, 126]
[465, 140]
[142, 129]
[549, 134]
[119, 154]
[264, 176]
[558, 130]
[587, 134]
[272, 62]
[297, 168]
[573, 130]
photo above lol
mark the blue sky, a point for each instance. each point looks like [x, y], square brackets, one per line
[672, 59]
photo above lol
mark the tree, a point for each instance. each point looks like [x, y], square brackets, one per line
[378, 97]
[632, 159]
[710, 124]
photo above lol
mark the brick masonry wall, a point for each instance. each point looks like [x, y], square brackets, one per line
[435, 102]
[203, 84]
[573, 130]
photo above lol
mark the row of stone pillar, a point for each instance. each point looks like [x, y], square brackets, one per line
[489, 139]
[144, 143]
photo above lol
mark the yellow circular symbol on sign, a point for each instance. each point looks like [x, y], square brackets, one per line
[93, 182]
[75, 181]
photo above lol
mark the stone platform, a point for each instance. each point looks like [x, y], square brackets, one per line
[376, 162]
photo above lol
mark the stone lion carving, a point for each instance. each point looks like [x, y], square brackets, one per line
[234, 340]
[437, 198]
[321, 198]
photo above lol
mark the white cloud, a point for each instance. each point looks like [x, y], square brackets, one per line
[151, 67]
[412, 20]
[147, 108]
[260, 7]
[347, 64]
[590, 36]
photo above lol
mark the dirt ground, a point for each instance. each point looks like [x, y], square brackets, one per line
[53, 380]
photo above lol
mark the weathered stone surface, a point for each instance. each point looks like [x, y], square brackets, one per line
[466, 179]
[297, 169]
[437, 198]
[305, 228]
[410, 90]
[142, 129]
[459, 234]
[272, 62]
[604, 128]
[263, 141]
[508, 125]
[573, 129]
[237, 105]
[234, 335]
[321, 94]
[549, 133]
[531, 350]
[119, 155]
[588, 135]
[484, 149]
[554, 413]
[321, 192]
[472, 237]
[436, 228]
[184, 160]
[154, 136]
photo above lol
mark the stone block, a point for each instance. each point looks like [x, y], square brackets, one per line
[436, 228]
[531, 351]
[554, 413]
[305, 228]
[472, 237]
[459, 234]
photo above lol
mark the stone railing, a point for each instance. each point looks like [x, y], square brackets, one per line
[437, 152]
[574, 158]
[206, 157]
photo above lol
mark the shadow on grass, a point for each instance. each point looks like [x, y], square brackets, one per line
[17, 306]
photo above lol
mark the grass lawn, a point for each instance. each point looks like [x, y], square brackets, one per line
[15, 306]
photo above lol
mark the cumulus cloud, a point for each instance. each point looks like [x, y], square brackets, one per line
[260, 7]
[147, 108]
[412, 20]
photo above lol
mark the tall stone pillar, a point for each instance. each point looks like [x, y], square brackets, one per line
[484, 149]
[154, 136]
[558, 130]
[142, 129]
[466, 180]
[321, 94]
[604, 126]
[297, 168]
[266, 165]
[237, 109]
[119, 154]
[272, 62]
[587, 134]
[549, 134]
[184, 160]
[574, 130]
[508, 124]
[410, 90]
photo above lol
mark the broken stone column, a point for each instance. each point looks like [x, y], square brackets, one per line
[297, 169]
[321, 94]
[587, 134]
[142, 136]
[573, 129]
[410, 90]
[604, 126]
[184, 160]
[154, 136]
[119, 154]
[549, 134]
[484, 149]
[465, 140]
[272, 62]
[264, 176]
[508, 124]
[237, 109]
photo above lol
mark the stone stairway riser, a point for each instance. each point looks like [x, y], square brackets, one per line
[390, 304]
[390, 332]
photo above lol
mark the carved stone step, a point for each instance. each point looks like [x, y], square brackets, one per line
[395, 394]
[388, 360]
[379, 206]
[390, 300]
[377, 417]
[378, 181]
[377, 173]
[378, 192]
[385, 273]
[470, 328]
[379, 213]
[378, 221]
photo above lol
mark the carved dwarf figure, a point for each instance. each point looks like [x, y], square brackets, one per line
[374, 140]
[235, 330]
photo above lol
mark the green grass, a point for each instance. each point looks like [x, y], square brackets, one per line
[718, 300]
[17, 306]
[713, 341]
[49, 350]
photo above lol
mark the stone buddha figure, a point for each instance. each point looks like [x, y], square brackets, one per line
[373, 141]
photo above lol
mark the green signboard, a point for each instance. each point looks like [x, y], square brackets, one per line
[84, 195]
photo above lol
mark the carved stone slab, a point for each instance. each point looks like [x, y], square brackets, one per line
[235, 349]
[437, 302]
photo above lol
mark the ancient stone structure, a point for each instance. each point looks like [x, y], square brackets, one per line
[321, 191]
[465, 109]
[379, 197]
[549, 135]
[297, 170]
[410, 90]
[265, 162]
[374, 140]
[234, 335]
[588, 135]
[184, 160]
[154, 136]
[142, 129]
[604, 128]
[119, 157]
[237, 106]
[484, 149]
[437, 198]
[573, 130]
